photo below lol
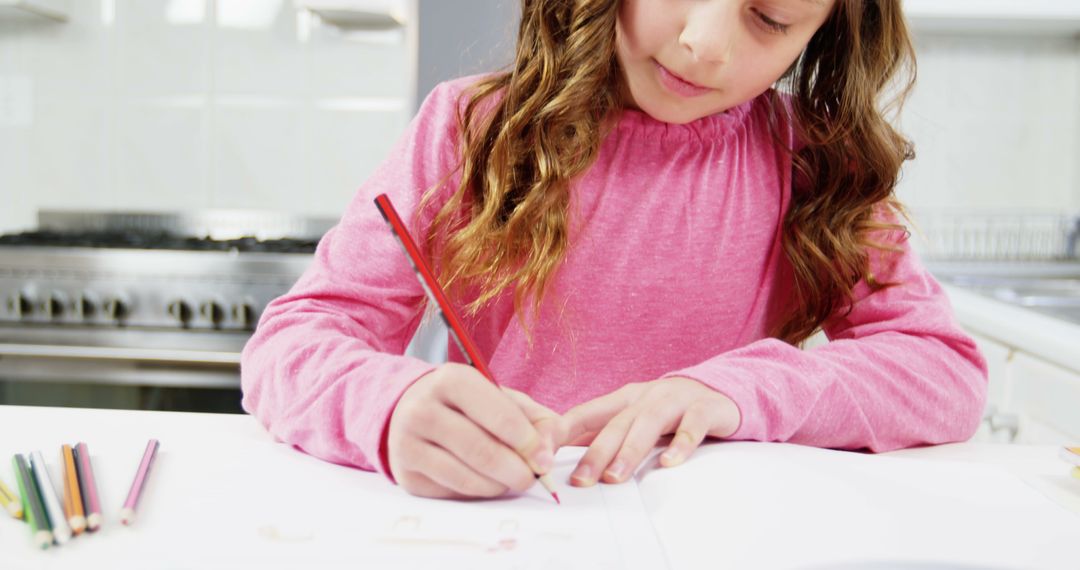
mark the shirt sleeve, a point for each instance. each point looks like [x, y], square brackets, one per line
[325, 367]
[898, 371]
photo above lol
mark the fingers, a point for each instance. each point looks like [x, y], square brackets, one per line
[623, 444]
[476, 448]
[648, 426]
[594, 415]
[603, 448]
[422, 486]
[446, 471]
[584, 439]
[487, 406]
[688, 437]
[552, 427]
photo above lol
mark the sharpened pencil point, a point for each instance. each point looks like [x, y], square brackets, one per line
[78, 524]
[43, 539]
[556, 495]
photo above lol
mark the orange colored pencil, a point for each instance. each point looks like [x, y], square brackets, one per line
[73, 504]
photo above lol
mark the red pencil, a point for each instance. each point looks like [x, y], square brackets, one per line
[436, 294]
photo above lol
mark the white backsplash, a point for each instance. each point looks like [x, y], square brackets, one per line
[193, 104]
[996, 124]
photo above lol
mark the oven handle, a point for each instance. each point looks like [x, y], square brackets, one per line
[109, 353]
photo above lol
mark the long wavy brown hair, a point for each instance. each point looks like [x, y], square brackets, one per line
[526, 133]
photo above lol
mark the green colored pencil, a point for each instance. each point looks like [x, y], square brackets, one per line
[32, 507]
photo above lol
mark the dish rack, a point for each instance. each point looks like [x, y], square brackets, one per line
[996, 236]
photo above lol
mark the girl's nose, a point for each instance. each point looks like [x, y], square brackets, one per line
[710, 30]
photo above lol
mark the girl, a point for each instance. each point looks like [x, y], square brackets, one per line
[641, 230]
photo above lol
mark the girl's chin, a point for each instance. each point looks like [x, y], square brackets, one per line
[668, 113]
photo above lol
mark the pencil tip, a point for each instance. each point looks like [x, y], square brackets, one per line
[556, 495]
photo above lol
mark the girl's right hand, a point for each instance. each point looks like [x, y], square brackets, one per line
[455, 434]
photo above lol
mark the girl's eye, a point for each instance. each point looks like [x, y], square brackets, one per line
[771, 24]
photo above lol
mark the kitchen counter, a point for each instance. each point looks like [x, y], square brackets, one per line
[1051, 339]
[223, 493]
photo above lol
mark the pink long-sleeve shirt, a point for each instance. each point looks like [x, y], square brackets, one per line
[675, 268]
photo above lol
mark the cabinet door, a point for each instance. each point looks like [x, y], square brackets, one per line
[1048, 395]
[997, 355]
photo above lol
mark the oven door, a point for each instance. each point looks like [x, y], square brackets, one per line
[166, 358]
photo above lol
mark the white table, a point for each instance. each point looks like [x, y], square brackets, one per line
[224, 494]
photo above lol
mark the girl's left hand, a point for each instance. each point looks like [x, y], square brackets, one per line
[622, 427]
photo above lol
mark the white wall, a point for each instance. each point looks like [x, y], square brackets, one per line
[996, 123]
[188, 104]
[191, 104]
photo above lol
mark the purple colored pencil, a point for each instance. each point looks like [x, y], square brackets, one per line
[88, 487]
[127, 514]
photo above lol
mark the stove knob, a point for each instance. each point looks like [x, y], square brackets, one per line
[244, 315]
[213, 312]
[115, 308]
[84, 306]
[53, 306]
[181, 311]
[20, 305]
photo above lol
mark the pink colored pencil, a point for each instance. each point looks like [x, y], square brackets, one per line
[127, 514]
[88, 487]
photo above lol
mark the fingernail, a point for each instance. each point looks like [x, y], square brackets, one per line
[670, 457]
[542, 461]
[615, 470]
[583, 476]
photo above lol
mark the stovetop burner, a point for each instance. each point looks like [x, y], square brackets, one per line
[155, 240]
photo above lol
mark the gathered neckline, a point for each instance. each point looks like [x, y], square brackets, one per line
[709, 128]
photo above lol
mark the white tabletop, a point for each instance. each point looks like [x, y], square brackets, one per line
[224, 494]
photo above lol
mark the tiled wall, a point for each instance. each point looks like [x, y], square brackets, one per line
[996, 123]
[186, 104]
[192, 104]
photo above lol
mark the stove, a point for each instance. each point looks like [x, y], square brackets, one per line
[143, 299]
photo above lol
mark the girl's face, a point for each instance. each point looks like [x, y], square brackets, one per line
[687, 59]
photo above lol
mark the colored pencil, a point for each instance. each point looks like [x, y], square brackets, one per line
[438, 297]
[87, 487]
[1070, 455]
[127, 514]
[73, 505]
[53, 510]
[11, 502]
[35, 511]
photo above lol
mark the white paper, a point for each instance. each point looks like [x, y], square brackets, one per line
[754, 505]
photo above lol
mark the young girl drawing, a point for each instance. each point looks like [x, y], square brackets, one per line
[639, 230]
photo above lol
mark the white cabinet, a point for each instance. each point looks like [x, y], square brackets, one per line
[1048, 400]
[1029, 400]
[1034, 366]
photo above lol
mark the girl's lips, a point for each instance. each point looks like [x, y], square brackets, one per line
[677, 84]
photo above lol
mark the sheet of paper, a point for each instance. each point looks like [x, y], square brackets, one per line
[604, 527]
[726, 507]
